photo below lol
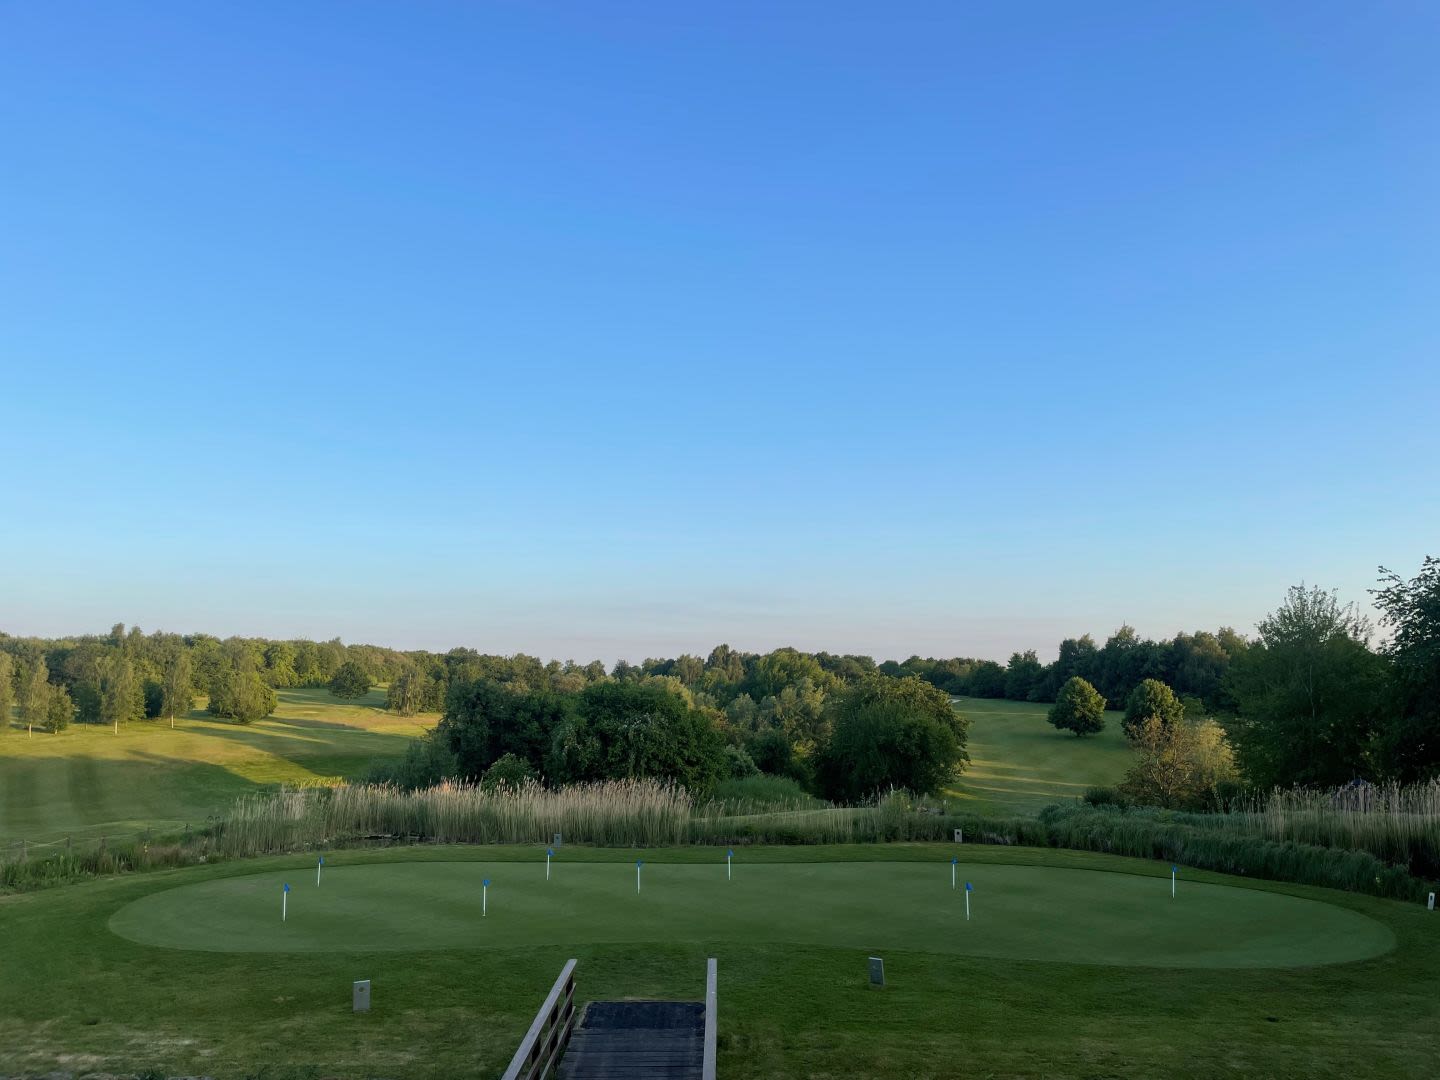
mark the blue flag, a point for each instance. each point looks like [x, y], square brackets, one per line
[487, 882]
[954, 861]
[549, 851]
[730, 854]
[639, 862]
[1174, 869]
[322, 860]
[287, 886]
[969, 887]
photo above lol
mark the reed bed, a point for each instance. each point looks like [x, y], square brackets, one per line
[613, 813]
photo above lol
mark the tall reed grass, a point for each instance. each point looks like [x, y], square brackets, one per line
[1399, 824]
[613, 813]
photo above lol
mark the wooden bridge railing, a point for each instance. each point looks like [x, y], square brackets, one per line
[543, 1044]
[707, 1068]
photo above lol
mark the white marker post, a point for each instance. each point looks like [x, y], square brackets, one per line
[729, 854]
[549, 854]
[638, 863]
[285, 902]
[318, 865]
[952, 872]
[485, 898]
[968, 890]
[1173, 871]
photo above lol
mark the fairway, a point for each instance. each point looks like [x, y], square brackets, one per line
[1019, 764]
[88, 781]
[1019, 912]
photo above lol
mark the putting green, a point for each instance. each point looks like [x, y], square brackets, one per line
[1018, 912]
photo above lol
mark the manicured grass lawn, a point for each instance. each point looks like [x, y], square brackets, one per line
[1019, 764]
[77, 996]
[88, 781]
[1121, 919]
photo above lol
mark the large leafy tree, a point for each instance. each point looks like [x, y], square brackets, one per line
[901, 733]
[1178, 765]
[351, 682]
[1310, 694]
[1409, 739]
[1078, 708]
[1151, 698]
[634, 730]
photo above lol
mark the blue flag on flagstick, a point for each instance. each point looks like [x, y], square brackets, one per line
[549, 851]
[731, 853]
[954, 861]
[486, 882]
[969, 887]
[639, 862]
[287, 886]
[1174, 869]
[322, 860]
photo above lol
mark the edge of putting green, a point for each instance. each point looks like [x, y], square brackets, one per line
[1338, 921]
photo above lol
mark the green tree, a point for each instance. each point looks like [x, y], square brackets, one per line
[1310, 694]
[891, 732]
[1178, 765]
[1151, 698]
[280, 664]
[122, 697]
[351, 682]
[7, 690]
[59, 711]
[1409, 736]
[177, 687]
[406, 692]
[1078, 708]
[34, 696]
[239, 693]
[637, 730]
[1023, 676]
[508, 770]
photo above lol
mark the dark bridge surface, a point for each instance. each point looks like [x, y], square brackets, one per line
[646, 1040]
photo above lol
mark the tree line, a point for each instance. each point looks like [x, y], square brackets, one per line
[1309, 699]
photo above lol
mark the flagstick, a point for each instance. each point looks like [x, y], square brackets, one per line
[952, 873]
[548, 853]
[638, 864]
[485, 898]
[729, 854]
[318, 865]
[285, 903]
[1173, 871]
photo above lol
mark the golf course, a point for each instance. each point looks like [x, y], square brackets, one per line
[193, 971]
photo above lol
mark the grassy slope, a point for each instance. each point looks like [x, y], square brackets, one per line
[88, 781]
[75, 996]
[1020, 764]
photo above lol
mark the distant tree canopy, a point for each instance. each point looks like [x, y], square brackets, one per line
[1307, 702]
[351, 682]
[1078, 708]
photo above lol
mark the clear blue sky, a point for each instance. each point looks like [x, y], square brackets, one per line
[625, 329]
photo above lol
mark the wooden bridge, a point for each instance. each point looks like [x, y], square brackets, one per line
[644, 1040]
